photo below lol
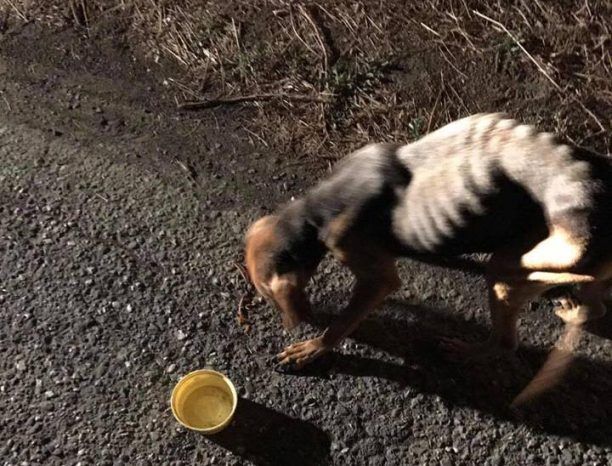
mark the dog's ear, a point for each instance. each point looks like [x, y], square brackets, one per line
[284, 289]
[260, 241]
[288, 293]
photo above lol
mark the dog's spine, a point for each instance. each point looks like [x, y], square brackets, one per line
[483, 144]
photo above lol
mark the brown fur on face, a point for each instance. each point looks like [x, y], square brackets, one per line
[285, 290]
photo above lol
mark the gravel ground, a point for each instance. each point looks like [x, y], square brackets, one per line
[118, 276]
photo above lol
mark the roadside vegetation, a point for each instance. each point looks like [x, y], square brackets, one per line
[320, 78]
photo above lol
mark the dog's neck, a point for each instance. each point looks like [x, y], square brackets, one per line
[299, 245]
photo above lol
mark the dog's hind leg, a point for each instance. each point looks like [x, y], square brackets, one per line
[586, 304]
[507, 297]
[510, 287]
[507, 294]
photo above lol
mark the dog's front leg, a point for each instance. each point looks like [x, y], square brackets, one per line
[375, 279]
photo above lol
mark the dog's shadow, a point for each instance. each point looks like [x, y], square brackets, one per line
[580, 407]
[602, 327]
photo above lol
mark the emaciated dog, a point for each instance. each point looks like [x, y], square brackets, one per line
[484, 183]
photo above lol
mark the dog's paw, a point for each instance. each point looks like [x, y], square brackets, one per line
[302, 353]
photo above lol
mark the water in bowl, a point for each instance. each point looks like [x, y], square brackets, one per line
[207, 407]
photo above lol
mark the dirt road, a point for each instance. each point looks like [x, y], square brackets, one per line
[121, 224]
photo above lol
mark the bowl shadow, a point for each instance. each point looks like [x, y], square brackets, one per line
[267, 437]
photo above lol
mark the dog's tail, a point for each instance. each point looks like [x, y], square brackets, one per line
[555, 367]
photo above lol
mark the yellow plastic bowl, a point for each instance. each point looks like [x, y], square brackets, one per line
[204, 400]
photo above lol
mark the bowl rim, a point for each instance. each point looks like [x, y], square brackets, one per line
[195, 373]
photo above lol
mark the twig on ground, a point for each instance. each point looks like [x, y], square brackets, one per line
[297, 34]
[429, 29]
[182, 87]
[255, 135]
[446, 59]
[78, 9]
[188, 169]
[525, 20]
[523, 49]
[235, 31]
[541, 68]
[7, 103]
[202, 104]
[241, 315]
[590, 113]
[431, 115]
[242, 271]
[319, 35]
[459, 99]
[17, 10]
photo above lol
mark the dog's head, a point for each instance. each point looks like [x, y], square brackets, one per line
[272, 279]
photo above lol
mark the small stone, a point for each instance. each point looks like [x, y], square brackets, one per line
[180, 335]
[20, 365]
[49, 394]
[171, 368]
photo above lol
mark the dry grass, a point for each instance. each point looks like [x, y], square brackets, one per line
[373, 70]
